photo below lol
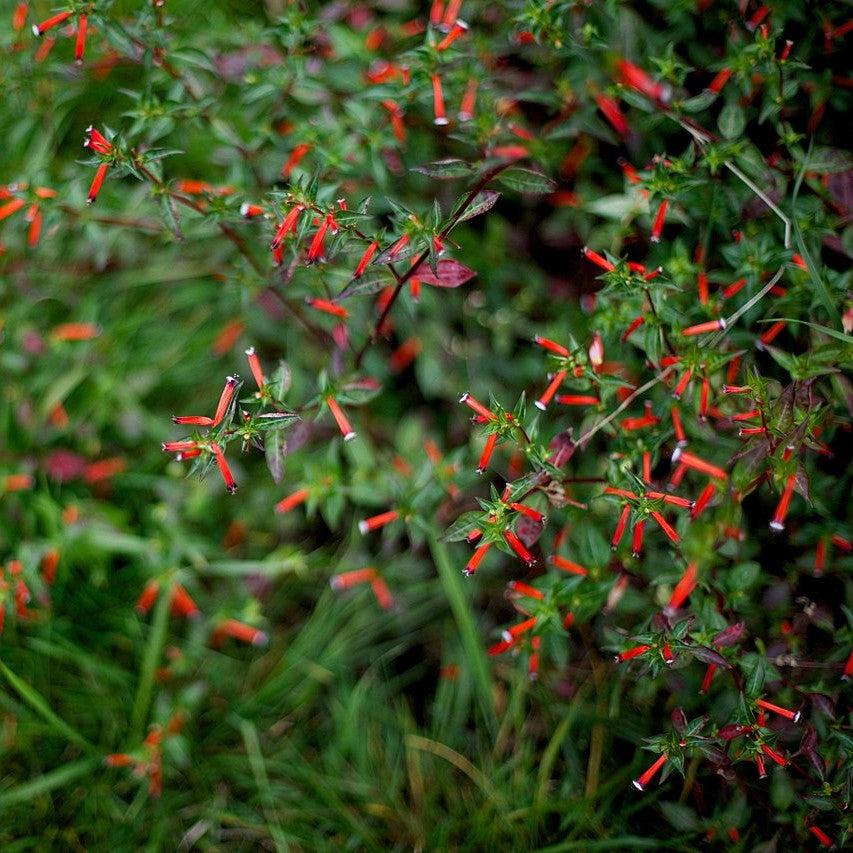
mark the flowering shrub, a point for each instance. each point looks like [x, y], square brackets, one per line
[532, 523]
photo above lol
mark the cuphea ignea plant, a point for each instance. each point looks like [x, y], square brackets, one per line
[546, 318]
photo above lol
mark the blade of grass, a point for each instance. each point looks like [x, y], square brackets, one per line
[48, 782]
[153, 653]
[259, 770]
[451, 581]
[38, 703]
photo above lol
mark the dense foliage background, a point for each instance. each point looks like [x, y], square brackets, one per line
[176, 670]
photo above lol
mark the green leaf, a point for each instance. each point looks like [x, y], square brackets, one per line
[445, 169]
[527, 180]
[481, 203]
[732, 121]
[275, 452]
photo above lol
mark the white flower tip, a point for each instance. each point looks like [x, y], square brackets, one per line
[638, 785]
[350, 435]
[540, 405]
[363, 527]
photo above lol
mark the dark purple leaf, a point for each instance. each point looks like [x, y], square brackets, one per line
[731, 635]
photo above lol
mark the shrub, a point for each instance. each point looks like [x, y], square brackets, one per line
[547, 319]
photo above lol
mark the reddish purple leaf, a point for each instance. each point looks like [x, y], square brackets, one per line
[448, 273]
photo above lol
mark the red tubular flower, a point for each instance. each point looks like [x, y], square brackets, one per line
[709, 677]
[719, 81]
[288, 224]
[436, 12]
[672, 500]
[365, 259]
[518, 546]
[737, 389]
[459, 28]
[486, 455]
[476, 559]
[703, 500]
[11, 207]
[224, 470]
[49, 564]
[635, 324]
[793, 716]
[637, 538]
[97, 141]
[341, 419]
[842, 543]
[528, 511]
[704, 328]
[292, 500]
[438, 101]
[734, 287]
[681, 387]
[747, 416]
[775, 756]
[315, 250]
[231, 385]
[147, 597]
[251, 211]
[533, 663]
[19, 17]
[182, 603]
[610, 110]
[241, 631]
[670, 532]
[179, 446]
[689, 460]
[347, 580]
[375, 522]
[404, 355]
[519, 588]
[451, 14]
[80, 43]
[777, 523]
[34, 217]
[647, 467]
[511, 634]
[683, 588]
[479, 408]
[636, 78]
[597, 259]
[97, 181]
[821, 836]
[678, 429]
[772, 333]
[50, 23]
[630, 654]
[328, 307]
[469, 100]
[702, 287]
[255, 367]
[578, 400]
[552, 346]
[295, 157]
[548, 393]
[641, 783]
[759, 763]
[703, 398]
[820, 557]
[568, 565]
[192, 420]
[620, 527]
[660, 218]
[382, 594]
